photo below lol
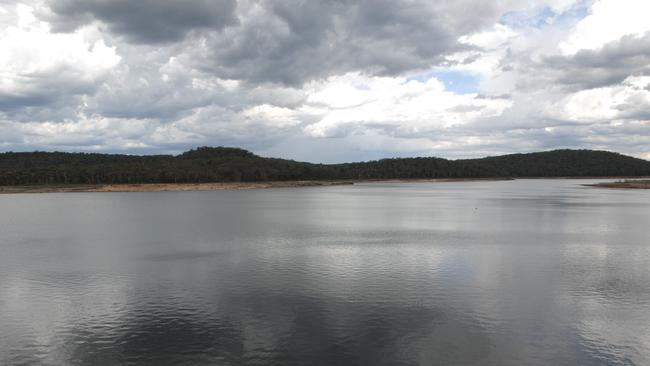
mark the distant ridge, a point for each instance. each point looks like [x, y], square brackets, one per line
[226, 164]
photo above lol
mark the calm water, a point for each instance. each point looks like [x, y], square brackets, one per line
[528, 272]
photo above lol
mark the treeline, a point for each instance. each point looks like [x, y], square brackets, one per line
[222, 164]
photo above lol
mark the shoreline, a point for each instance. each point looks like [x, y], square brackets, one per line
[186, 187]
[215, 186]
[165, 187]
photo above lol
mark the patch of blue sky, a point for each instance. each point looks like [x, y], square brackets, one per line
[545, 16]
[577, 12]
[525, 19]
[455, 81]
[361, 86]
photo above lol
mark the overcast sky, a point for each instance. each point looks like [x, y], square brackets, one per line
[326, 81]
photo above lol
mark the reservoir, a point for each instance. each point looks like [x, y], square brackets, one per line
[523, 272]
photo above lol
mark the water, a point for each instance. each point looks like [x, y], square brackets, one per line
[534, 272]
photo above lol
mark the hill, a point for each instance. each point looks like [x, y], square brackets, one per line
[223, 164]
[565, 163]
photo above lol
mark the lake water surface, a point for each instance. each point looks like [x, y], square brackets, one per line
[526, 272]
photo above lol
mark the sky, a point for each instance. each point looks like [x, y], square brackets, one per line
[325, 81]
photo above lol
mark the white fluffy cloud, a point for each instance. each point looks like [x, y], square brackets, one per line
[38, 67]
[608, 21]
[618, 103]
[326, 81]
[398, 105]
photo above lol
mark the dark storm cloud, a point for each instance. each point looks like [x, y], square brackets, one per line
[292, 42]
[289, 42]
[145, 21]
[607, 66]
[40, 95]
[9, 102]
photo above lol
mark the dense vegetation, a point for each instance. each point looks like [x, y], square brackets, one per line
[223, 164]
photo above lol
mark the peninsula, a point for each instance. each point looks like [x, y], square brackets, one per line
[627, 184]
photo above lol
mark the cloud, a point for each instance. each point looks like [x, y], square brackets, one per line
[144, 21]
[610, 64]
[608, 21]
[332, 80]
[627, 101]
[39, 69]
[293, 42]
[398, 106]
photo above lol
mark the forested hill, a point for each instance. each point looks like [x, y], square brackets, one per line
[221, 164]
[565, 163]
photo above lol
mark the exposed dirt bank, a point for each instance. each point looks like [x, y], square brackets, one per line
[160, 187]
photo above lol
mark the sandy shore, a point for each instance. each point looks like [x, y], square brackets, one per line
[163, 187]
[432, 180]
[626, 184]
